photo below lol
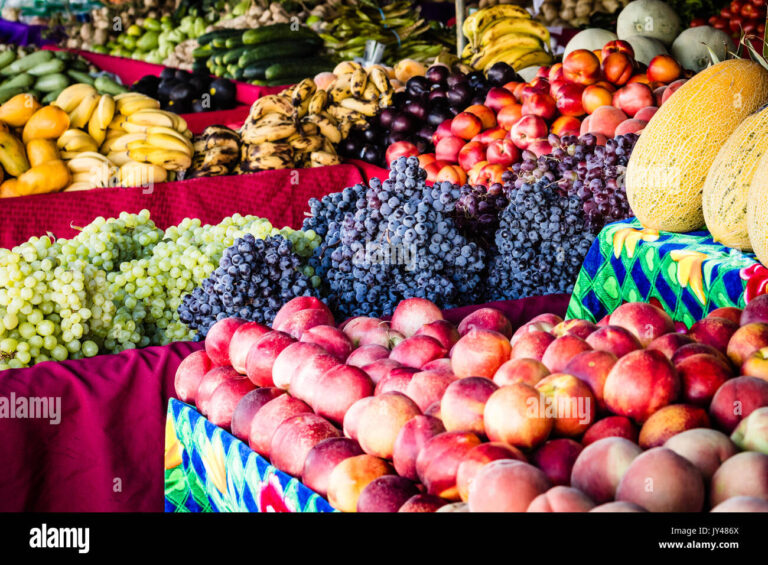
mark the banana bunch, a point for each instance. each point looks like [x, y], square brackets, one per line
[125, 140]
[217, 152]
[505, 33]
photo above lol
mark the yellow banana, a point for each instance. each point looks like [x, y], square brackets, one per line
[509, 56]
[119, 158]
[365, 108]
[475, 23]
[129, 106]
[133, 173]
[327, 128]
[87, 161]
[117, 123]
[80, 115]
[532, 58]
[76, 186]
[273, 103]
[101, 118]
[173, 133]
[76, 140]
[170, 160]
[380, 79]
[260, 134]
[166, 141]
[511, 27]
[69, 98]
[357, 82]
[323, 159]
[318, 102]
[346, 67]
[303, 92]
[151, 118]
[121, 143]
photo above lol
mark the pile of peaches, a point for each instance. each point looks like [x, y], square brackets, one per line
[605, 92]
[417, 414]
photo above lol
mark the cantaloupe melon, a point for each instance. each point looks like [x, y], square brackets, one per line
[757, 211]
[669, 164]
[724, 199]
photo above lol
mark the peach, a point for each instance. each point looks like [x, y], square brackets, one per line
[322, 460]
[706, 449]
[714, 331]
[453, 174]
[605, 119]
[619, 506]
[210, 382]
[380, 369]
[669, 421]
[447, 149]
[617, 46]
[295, 437]
[701, 375]
[600, 467]
[486, 319]
[756, 364]
[332, 339]
[477, 458]
[506, 485]
[742, 504]
[367, 354]
[735, 400]
[584, 127]
[663, 68]
[691, 349]
[561, 499]
[562, 350]
[579, 328]
[595, 96]
[396, 380]
[471, 154]
[490, 173]
[352, 417]
[363, 330]
[305, 380]
[337, 389]
[439, 366]
[565, 125]
[569, 99]
[400, 149]
[527, 129]
[244, 337]
[486, 115]
[479, 353]
[427, 387]
[547, 318]
[631, 125]
[438, 462]
[756, 311]
[618, 67]
[592, 367]
[644, 320]
[381, 420]
[463, 403]
[412, 313]
[515, 414]
[434, 411]
[262, 355]
[728, 312]
[296, 305]
[744, 474]
[290, 359]
[508, 115]
[423, 503]
[386, 494]
[540, 104]
[633, 97]
[614, 339]
[247, 408]
[612, 426]
[225, 398]
[640, 383]
[645, 114]
[410, 440]
[752, 433]
[499, 97]
[659, 95]
[299, 322]
[418, 350]
[269, 418]
[490, 135]
[527, 371]
[556, 458]
[531, 345]
[745, 341]
[660, 480]
[669, 343]
[350, 477]
[189, 373]
[582, 67]
[570, 401]
[218, 338]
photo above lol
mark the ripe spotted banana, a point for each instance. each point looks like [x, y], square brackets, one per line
[318, 102]
[357, 82]
[273, 103]
[302, 92]
[327, 128]
[323, 159]
[260, 134]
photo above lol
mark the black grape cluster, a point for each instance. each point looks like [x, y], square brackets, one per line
[255, 277]
[393, 240]
[478, 209]
[581, 167]
[541, 243]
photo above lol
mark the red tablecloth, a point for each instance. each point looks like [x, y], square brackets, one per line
[370, 171]
[106, 454]
[280, 196]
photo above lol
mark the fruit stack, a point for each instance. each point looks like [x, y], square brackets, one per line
[505, 33]
[555, 416]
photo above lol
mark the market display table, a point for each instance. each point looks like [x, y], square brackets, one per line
[106, 452]
[280, 196]
[687, 274]
[209, 470]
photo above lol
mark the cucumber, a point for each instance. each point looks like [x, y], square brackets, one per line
[49, 67]
[207, 38]
[276, 32]
[79, 76]
[55, 82]
[287, 81]
[202, 52]
[7, 57]
[199, 66]
[256, 70]
[305, 68]
[233, 42]
[277, 49]
[106, 85]
[8, 93]
[233, 56]
[235, 72]
[24, 80]
[219, 43]
[79, 65]
[28, 62]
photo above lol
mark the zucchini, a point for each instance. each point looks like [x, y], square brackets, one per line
[79, 76]
[278, 49]
[307, 68]
[24, 80]
[276, 32]
[8, 93]
[55, 82]
[207, 38]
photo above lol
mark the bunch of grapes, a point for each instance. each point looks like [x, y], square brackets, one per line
[393, 240]
[255, 277]
[541, 243]
[581, 167]
[478, 209]
[116, 285]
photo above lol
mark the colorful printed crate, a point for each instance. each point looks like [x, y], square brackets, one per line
[209, 470]
[688, 275]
